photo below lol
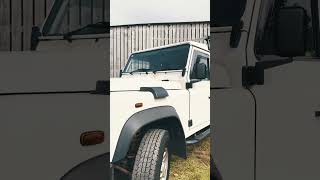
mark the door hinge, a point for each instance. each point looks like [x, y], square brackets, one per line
[254, 75]
[251, 75]
[190, 123]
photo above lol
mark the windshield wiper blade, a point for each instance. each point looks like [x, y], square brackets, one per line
[141, 70]
[169, 69]
[91, 28]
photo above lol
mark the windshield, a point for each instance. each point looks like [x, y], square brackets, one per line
[227, 12]
[172, 58]
[77, 17]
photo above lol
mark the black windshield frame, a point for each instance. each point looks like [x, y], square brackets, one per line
[52, 16]
[227, 12]
[59, 7]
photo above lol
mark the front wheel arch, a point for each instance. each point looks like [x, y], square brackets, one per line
[164, 117]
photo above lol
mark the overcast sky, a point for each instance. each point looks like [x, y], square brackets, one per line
[158, 11]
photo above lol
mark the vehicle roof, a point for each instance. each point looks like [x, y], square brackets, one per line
[192, 43]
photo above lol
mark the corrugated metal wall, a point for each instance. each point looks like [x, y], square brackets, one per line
[16, 20]
[131, 38]
[17, 17]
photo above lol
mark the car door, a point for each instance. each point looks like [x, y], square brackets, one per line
[199, 93]
[287, 106]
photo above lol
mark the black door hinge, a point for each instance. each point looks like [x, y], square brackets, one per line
[254, 75]
[251, 75]
[190, 123]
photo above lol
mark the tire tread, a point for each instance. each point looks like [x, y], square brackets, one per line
[148, 155]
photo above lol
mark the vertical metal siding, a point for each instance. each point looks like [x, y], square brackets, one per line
[17, 17]
[131, 38]
[16, 20]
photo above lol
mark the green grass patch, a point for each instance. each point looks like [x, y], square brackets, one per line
[196, 166]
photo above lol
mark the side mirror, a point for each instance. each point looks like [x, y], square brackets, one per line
[291, 32]
[201, 71]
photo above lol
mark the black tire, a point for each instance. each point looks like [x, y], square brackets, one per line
[148, 161]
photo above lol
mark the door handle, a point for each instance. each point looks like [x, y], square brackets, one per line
[91, 138]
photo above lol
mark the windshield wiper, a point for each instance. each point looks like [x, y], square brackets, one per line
[141, 70]
[169, 69]
[96, 28]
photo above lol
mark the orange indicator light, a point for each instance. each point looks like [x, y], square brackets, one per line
[138, 105]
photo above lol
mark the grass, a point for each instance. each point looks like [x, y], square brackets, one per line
[196, 166]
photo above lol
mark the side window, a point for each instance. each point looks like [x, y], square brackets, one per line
[200, 59]
[265, 45]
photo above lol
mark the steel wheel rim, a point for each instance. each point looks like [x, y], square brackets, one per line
[164, 165]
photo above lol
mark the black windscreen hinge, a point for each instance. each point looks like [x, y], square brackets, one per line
[102, 88]
[35, 34]
[236, 34]
[190, 123]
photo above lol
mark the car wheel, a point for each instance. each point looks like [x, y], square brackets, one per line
[152, 161]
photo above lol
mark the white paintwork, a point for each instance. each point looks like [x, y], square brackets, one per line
[125, 94]
[40, 134]
[232, 111]
[271, 131]
[286, 104]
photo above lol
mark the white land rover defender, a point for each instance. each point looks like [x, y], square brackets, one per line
[266, 89]
[160, 104]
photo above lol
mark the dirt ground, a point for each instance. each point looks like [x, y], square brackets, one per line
[197, 165]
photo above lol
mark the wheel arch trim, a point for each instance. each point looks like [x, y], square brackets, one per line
[141, 119]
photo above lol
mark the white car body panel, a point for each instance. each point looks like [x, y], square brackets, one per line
[41, 130]
[267, 131]
[125, 93]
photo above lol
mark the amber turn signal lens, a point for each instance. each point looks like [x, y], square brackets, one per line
[138, 105]
[92, 138]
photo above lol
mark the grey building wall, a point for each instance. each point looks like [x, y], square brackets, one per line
[17, 17]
